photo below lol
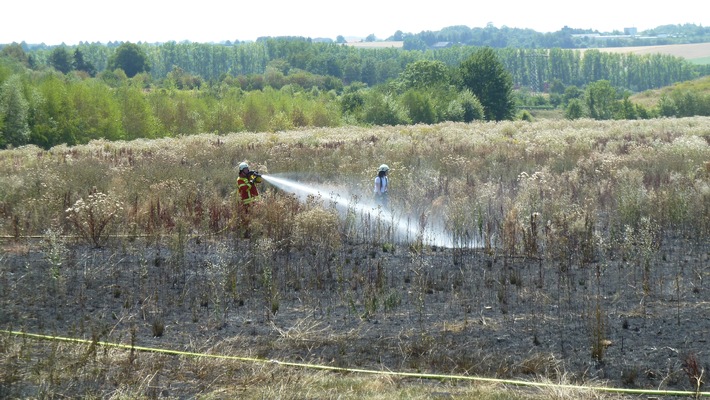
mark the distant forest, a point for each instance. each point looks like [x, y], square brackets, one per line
[338, 64]
[533, 58]
[52, 95]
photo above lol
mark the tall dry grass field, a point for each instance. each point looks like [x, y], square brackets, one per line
[579, 255]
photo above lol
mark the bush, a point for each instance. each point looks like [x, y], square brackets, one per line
[92, 218]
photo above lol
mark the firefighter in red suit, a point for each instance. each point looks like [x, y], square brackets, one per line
[248, 194]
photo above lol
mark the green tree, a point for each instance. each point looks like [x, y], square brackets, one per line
[413, 42]
[643, 112]
[471, 106]
[424, 74]
[223, 113]
[61, 60]
[419, 107]
[255, 112]
[130, 58]
[16, 52]
[574, 110]
[190, 112]
[381, 109]
[352, 70]
[97, 112]
[14, 113]
[137, 120]
[368, 74]
[667, 107]
[427, 89]
[627, 109]
[486, 77]
[164, 110]
[274, 78]
[572, 92]
[691, 102]
[80, 63]
[593, 66]
[323, 114]
[113, 78]
[600, 98]
[53, 118]
[353, 99]
[557, 87]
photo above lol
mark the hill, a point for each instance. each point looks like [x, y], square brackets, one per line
[650, 98]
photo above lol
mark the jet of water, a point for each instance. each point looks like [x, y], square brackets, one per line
[345, 201]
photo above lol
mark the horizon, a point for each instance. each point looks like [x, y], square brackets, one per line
[81, 21]
[348, 38]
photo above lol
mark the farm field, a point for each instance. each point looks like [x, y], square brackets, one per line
[690, 51]
[562, 252]
[693, 51]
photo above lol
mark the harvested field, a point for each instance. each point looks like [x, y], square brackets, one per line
[687, 51]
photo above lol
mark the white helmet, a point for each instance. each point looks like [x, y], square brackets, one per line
[243, 166]
[384, 168]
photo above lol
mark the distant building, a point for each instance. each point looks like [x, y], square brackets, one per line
[586, 35]
[441, 45]
[630, 31]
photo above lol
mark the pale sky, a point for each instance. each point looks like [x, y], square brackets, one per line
[71, 21]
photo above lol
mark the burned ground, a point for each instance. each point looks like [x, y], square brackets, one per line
[384, 307]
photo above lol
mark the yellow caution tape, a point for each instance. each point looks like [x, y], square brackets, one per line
[364, 371]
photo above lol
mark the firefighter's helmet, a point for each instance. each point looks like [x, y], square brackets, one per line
[383, 168]
[243, 166]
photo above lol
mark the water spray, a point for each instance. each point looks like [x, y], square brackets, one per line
[404, 227]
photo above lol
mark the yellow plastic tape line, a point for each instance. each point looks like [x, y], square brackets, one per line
[363, 371]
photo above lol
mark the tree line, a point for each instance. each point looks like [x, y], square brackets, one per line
[528, 67]
[73, 95]
[46, 107]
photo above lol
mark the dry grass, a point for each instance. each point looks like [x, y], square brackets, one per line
[572, 224]
[42, 369]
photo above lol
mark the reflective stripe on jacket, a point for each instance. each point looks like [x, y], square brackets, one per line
[247, 190]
